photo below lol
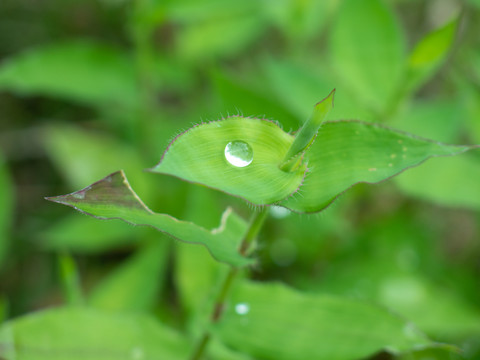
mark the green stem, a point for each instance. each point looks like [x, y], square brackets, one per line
[253, 230]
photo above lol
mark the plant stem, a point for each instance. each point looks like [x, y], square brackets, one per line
[253, 230]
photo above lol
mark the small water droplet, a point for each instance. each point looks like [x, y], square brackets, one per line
[279, 212]
[242, 308]
[239, 153]
[404, 148]
[393, 156]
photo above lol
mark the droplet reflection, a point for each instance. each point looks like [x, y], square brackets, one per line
[242, 308]
[239, 153]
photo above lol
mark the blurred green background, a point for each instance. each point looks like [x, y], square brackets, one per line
[92, 86]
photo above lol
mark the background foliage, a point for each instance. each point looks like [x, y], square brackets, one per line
[90, 87]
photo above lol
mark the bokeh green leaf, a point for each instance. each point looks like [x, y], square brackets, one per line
[113, 198]
[83, 333]
[367, 50]
[449, 182]
[429, 54]
[82, 71]
[319, 326]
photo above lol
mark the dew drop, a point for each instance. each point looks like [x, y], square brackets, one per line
[239, 153]
[242, 308]
[279, 212]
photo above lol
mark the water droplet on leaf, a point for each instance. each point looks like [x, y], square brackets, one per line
[279, 212]
[242, 308]
[239, 153]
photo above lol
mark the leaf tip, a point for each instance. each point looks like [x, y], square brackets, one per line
[328, 100]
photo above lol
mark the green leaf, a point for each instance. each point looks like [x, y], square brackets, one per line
[438, 311]
[449, 182]
[113, 198]
[88, 334]
[6, 208]
[134, 285]
[81, 71]
[429, 54]
[348, 152]
[200, 155]
[271, 321]
[367, 50]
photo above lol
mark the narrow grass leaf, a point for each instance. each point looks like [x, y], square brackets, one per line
[429, 54]
[240, 156]
[89, 334]
[349, 152]
[113, 198]
[319, 326]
